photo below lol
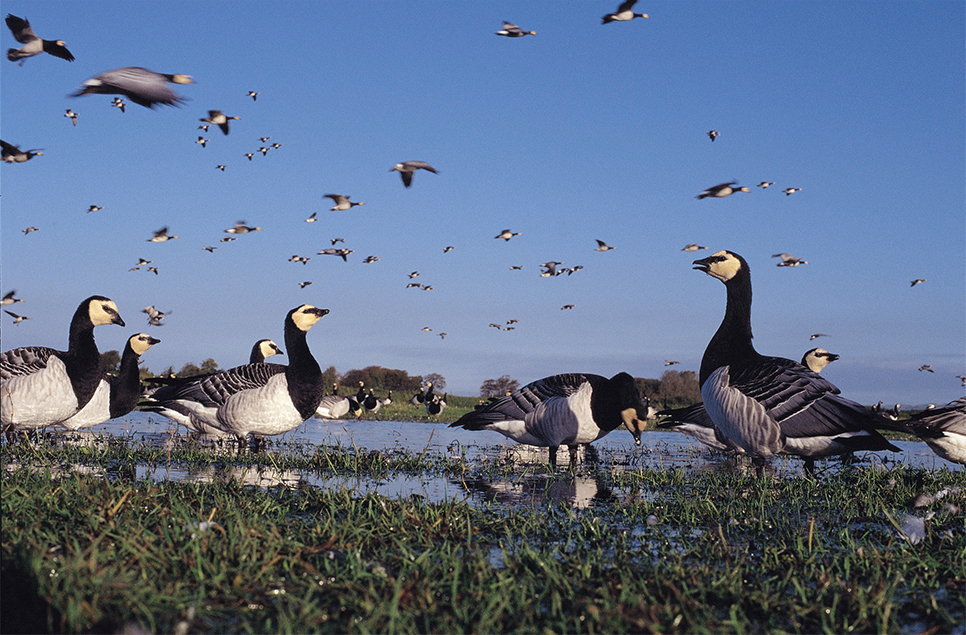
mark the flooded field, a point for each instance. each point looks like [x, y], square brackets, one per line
[377, 526]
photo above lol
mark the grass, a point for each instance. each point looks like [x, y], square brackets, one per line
[669, 551]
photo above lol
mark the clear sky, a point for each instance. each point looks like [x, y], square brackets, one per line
[585, 131]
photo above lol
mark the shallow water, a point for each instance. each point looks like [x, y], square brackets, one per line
[530, 483]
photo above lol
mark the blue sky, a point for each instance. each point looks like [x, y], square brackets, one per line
[583, 132]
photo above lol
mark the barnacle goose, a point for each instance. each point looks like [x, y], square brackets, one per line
[262, 350]
[771, 405]
[721, 190]
[406, 169]
[943, 429]
[13, 154]
[115, 395]
[511, 30]
[342, 202]
[259, 399]
[32, 44]
[40, 386]
[568, 409]
[219, 119]
[624, 13]
[140, 85]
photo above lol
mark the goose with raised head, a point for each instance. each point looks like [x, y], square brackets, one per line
[771, 405]
[116, 395]
[570, 409]
[255, 399]
[40, 386]
[262, 350]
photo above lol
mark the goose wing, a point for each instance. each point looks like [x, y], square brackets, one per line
[142, 86]
[23, 361]
[419, 165]
[801, 402]
[213, 391]
[20, 28]
[933, 422]
[516, 406]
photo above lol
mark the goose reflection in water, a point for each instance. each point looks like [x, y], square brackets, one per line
[579, 492]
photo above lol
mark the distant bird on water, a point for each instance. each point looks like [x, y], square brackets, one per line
[506, 234]
[407, 168]
[342, 202]
[511, 30]
[142, 86]
[721, 190]
[33, 45]
[220, 119]
[13, 154]
[624, 13]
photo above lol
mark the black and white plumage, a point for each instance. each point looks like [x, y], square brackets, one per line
[262, 350]
[161, 236]
[241, 228]
[116, 395]
[259, 399]
[816, 359]
[722, 190]
[33, 45]
[713, 134]
[70, 114]
[435, 404]
[342, 202]
[17, 319]
[602, 246]
[41, 386]
[506, 234]
[10, 298]
[511, 30]
[342, 253]
[788, 260]
[220, 119]
[771, 405]
[569, 409]
[10, 153]
[407, 168]
[142, 86]
[692, 247]
[943, 429]
[624, 13]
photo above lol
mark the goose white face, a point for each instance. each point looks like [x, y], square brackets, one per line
[269, 348]
[722, 265]
[633, 424]
[104, 312]
[141, 342]
[306, 316]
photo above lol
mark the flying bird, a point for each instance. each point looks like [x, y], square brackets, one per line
[927, 368]
[670, 362]
[253, 94]
[302, 285]
[220, 119]
[567, 306]
[370, 260]
[303, 259]
[602, 246]
[815, 336]
[9, 298]
[70, 114]
[119, 103]
[692, 247]
[17, 319]
[142, 86]
[448, 249]
[241, 228]
[511, 30]
[30, 229]
[550, 269]
[221, 166]
[407, 168]
[788, 260]
[791, 190]
[33, 45]
[624, 13]
[714, 134]
[202, 142]
[721, 190]
[917, 281]
[506, 234]
[765, 184]
[94, 208]
[13, 154]
[342, 253]
[161, 236]
[342, 202]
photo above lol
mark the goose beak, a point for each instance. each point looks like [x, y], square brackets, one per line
[318, 312]
[633, 424]
[832, 357]
[153, 340]
[703, 264]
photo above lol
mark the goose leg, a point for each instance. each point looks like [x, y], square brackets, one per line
[553, 456]
[573, 456]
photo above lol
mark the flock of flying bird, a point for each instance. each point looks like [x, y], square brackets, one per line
[752, 404]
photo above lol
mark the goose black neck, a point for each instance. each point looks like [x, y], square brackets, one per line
[731, 343]
[126, 387]
[303, 374]
[82, 360]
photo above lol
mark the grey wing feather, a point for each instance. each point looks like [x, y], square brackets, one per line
[24, 361]
[214, 390]
[516, 406]
[21, 29]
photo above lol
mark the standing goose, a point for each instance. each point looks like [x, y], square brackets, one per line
[695, 422]
[944, 429]
[568, 409]
[40, 386]
[722, 190]
[406, 169]
[115, 395]
[257, 399]
[33, 45]
[140, 85]
[772, 405]
[624, 13]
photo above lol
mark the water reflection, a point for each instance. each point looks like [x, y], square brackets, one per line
[579, 492]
